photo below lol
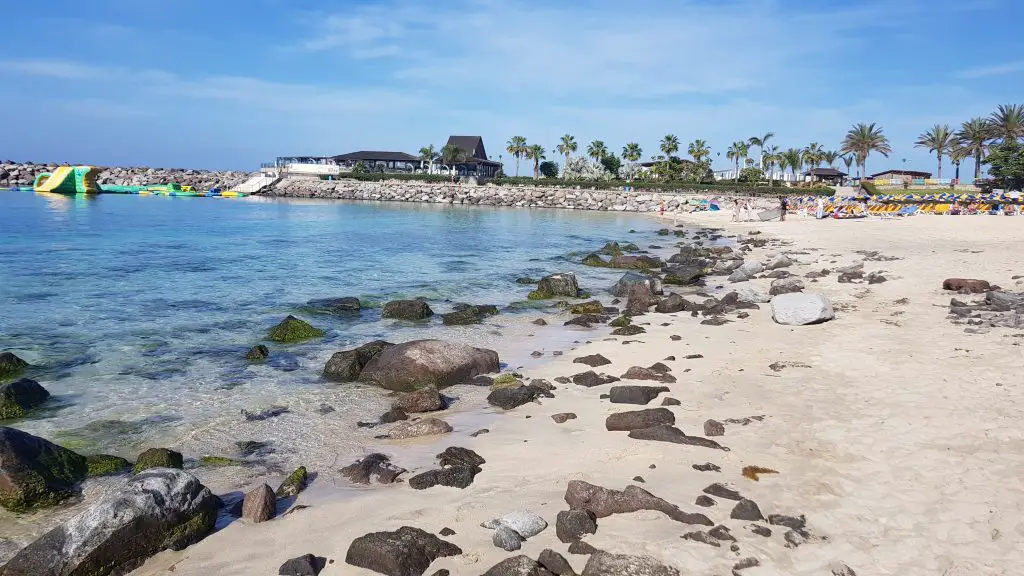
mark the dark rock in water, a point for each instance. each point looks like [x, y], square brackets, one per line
[626, 421]
[292, 329]
[555, 563]
[705, 501]
[11, 365]
[158, 458]
[345, 305]
[628, 331]
[346, 366]
[394, 415]
[104, 465]
[293, 484]
[594, 260]
[639, 300]
[413, 365]
[156, 510]
[635, 262]
[794, 539]
[562, 285]
[876, 278]
[305, 565]
[468, 314]
[666, 433]
[20, 396]
[563, 417]
[966, 286]
[259, 504]
[641, 373]
[510, 398]
[405, 552]
[581, 548]
[325, 409]
[34, 472]
[590, 379]
[593, 360]
[703, 538]
[714, 428]
[604, 502]
[635, 394]
[611, 249]
[571, 525]
[407, 310]
[723, 491]
[265, 414]
[525, 280]
[252, 447]
[426, 399]
[516, 565]
[257, 352]
[605, 564]
[707, 467]
[373, 467]
[851, 277]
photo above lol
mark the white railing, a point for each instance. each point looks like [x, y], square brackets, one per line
[295, 169]
[255, 184]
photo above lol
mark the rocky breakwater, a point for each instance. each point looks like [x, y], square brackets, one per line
[485, 195]
[24, 174]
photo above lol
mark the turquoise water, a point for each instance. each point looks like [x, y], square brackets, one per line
[139, 309]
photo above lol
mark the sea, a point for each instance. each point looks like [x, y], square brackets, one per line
[136, 313]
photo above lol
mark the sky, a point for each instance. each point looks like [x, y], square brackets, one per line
[232, 83]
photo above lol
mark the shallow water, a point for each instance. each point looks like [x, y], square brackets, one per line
[138, 312]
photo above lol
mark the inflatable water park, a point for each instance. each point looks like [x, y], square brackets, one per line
[75, 180]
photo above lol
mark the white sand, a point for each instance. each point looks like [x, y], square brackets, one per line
[902, 444]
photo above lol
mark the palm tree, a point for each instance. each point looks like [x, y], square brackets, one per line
[957, 155]
[939, 140]
[862, 140]
[811, 157]
[632, 152]
[848, 161]
[516, 146]
[830, 157]
[567, 146]
[794, 159]
[597, 150]
[760, 142]
[973, 136]
[783, 163]
[452, 155]
[698, 150]
[770, 157]
[1007, 122]
[428, 154]
[536, 153]
[669, 145]
[737, 152]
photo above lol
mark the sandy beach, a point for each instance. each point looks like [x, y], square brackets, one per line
[895, 432]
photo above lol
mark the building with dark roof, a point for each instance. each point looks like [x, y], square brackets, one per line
[475, 162]
[901, 174]
[377, 161]
[830, 175]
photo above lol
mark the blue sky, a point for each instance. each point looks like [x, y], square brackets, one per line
[231, 83]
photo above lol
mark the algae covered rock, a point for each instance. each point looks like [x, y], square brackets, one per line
[293, 484]
[594, 260]
[556, 285]
[105, 464]
[620, 322]
[591, 307]
[34, 472]
[20, 396]
[11, 365]
[158, 458]
[292, 329]
[257, 352]
[407, 310]
[215, 461]
[468, 314]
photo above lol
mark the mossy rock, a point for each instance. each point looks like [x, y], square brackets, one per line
[630, 247]
[592, 307]
[252, 447]
[105, 465]
[11, 366]
[629, 330]
[36, 473]
[505, 381]
[664, 232]
[611, 249]
[620, 322]
[19, 397]
[214, 461]
[293, 484]
[505, 378]
[257, 353]
[193, 530]
[158, 458]
[292, 329]
[595, 261]
[538, 295]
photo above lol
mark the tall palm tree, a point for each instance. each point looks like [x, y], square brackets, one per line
[452, 155]
[783, 163]
[829, 157]
[794, 159]
[567, 146]
[862, 140]
[848, 161]
[1007, 122]
[698, 150]
[811, 157]
[632, 152]
[760, 142]
[536, 153]
[973, 136]
[770, 158]
[597, 150]
[957, 155]
[516, 146]
[669, 145]
[939, 139]
[428, 154]
[737, 152]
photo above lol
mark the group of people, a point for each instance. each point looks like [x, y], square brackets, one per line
[971, 208]
[744, 211]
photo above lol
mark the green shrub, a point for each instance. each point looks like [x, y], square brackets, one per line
[868, 187]
[549, 169]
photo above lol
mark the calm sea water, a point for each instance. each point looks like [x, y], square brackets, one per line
[138, 310]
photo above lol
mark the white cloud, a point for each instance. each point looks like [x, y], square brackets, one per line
[60, 69]
[993, 70]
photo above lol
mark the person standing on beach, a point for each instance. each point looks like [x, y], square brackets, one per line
[783, 206]
[662, 208]
[819, 213]
[736, 210]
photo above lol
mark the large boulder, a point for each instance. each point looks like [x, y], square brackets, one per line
[639, 300]
[518, 566]
[345, 366]
[638, 419]
[293, 329]
[35, 472]
[157, 510]
[158, 458]
[11, 365]
[635, 262]
[413, 365]
[682, 275]
[407, 310]
[630, 279]
[605, 564]
[966, 285]
[406, 552]
[20, 396]
[799, 309]
[556, 285]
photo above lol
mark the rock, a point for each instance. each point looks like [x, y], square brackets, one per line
[448, 531]
[563, 417]
[780, 261]
[405, 552]
[594, 260]
[639, 300]
[454, 455]
[840, 569]
[305, 565]
[561, 285]
[667, 433]
[876, 278]
[507, 539]
[410, 310]
[459, 467]
[156, 510]
[966, 286]
[703, 538]
[479, 432]
[375, 467]
[158, 458]
[786, 286]
[800, 309]
[11, 365]
[511, 398]
[671, 402]
[620, 322]
[747, 297]
[413, 365]
[628, 331]
[105, 465]
[251, 447]
[540, 322]
[346, 366]
[571, 525]
[714, 428]
[794, 539]
[705, 501]
[344, 305]
[556, 564]
[605, 564]
[292, 329]
[544, 384]
[394, 415]
[415, 429]
[257, 353]
[524, 523]
[635, 262]
[723, 491]
[604, 502]
[626, 421]
[590, 379]
[744, 564]
[641, 373]
[707, 467]
[850, 277]
[587, 320]
[635, 394]
[630, 279]
[293, 484]
[259, 504]
[265, 414]
[591, 307]
[746, 510]
[582, 548]
[593, 360]
[426, 399]
[506, 380]
[517, 566]
[35, 473]
[798, 523]
[20, 396]
[673, 303]
[760, 530]
[465, 314]
[738, 276]
[682, 275]
[751, 268]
